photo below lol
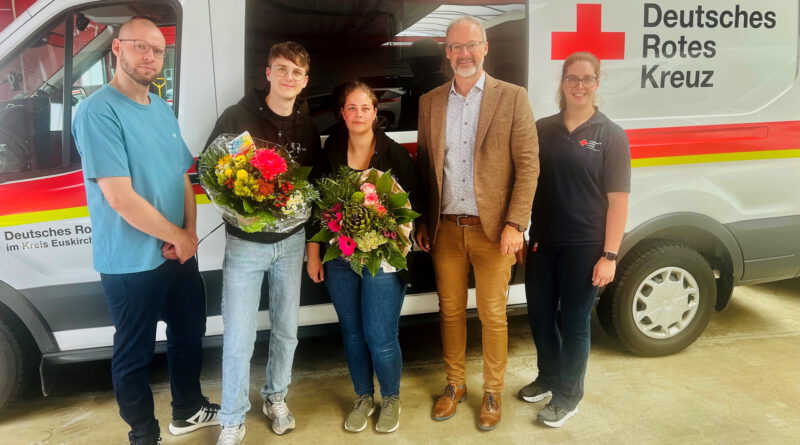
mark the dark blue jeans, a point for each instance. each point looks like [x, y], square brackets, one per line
[553, 275]
[369, 311]
[174, 293]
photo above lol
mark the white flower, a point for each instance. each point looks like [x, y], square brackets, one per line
[293, 204]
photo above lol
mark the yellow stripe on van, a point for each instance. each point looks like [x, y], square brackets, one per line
[202, 199]
[43, 216]
[715, 157]
[61, 214]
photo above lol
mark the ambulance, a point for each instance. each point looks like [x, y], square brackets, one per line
[707, 91]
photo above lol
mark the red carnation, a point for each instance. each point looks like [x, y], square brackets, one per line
[269, 163]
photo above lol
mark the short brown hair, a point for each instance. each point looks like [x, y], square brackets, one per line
[290, 51]
[580, 56]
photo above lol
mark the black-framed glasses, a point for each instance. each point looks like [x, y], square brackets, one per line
[283, 70]
[142, 47]
[471, 46]
[573, 81]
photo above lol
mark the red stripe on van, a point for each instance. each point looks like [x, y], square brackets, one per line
[35, 195]
[713, 139]
[705, 139]
[66, 191]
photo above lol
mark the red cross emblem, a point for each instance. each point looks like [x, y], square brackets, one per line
[583, 142]
[588, 37]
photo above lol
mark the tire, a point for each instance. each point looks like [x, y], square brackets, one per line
[385, 120]
[661, 300]
[13, 375]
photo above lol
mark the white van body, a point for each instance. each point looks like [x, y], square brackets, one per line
[707, 92]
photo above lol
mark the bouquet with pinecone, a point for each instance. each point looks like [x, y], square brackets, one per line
[366, 219]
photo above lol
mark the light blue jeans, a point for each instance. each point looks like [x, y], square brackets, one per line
[245, 264]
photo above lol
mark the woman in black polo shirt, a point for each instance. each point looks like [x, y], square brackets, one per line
[577, 224]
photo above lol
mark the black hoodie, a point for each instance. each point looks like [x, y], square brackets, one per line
[297, 132]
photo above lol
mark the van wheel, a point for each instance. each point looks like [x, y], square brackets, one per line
[661, 300]
[13, 376]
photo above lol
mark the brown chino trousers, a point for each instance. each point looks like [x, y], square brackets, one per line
[455, 249]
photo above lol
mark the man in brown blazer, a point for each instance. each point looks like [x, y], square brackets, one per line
[478, 162]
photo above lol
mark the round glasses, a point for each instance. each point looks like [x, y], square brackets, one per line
[283, 70]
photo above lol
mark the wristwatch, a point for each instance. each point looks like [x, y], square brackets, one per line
[611, 256]
[516, 226]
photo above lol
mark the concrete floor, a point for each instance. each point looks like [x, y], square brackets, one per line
[738, 384]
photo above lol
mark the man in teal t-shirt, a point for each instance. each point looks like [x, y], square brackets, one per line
[143, 215]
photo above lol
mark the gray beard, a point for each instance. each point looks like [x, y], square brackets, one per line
[467, 72]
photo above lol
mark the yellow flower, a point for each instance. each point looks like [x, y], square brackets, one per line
[228, 172]
[240, 160]
[241, 174]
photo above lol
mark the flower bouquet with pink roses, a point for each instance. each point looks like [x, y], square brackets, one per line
[366, 219]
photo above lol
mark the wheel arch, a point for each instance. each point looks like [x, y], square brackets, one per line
[14, 306]
[700, 232]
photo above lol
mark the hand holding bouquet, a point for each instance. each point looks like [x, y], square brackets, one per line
[255, 184]
[366, 218]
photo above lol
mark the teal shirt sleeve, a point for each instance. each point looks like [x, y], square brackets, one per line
[98, 137]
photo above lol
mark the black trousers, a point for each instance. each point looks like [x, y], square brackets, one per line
[561, 275]
[174, 293]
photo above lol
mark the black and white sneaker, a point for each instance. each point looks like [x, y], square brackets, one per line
[554, 416]
[205, 416]
[532, 393]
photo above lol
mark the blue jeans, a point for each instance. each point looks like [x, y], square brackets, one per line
[553, 275]
[174, 293]
[243, 271]
[369, 311]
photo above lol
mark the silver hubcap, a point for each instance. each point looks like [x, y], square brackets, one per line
[666, 302]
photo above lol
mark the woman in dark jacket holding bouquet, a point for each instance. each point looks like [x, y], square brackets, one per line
[368, 306]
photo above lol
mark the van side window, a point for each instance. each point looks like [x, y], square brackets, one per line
[394, 46]
[34, 140]
[31, 96]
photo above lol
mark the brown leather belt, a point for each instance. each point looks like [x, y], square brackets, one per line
[463, 220]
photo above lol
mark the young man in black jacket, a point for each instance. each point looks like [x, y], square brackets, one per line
[275, 115]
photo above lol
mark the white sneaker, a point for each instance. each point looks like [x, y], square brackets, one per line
[231, 435]
[205, 416]
[278, 412]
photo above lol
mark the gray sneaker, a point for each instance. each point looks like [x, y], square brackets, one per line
[363, 407]
[231, 435]
[278, 412]
[532, 392]
[554, 416]
[389, 419]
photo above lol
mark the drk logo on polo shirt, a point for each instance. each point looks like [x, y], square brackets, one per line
[591, 145]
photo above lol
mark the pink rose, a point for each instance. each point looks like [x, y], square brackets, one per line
[347, 245]
[380, 209]
[368, 188]
[334, 226]
[371, 199]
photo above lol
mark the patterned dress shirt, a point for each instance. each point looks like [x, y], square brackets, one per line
[458, 191]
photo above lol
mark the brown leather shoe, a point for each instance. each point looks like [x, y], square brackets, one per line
[490, 411]
[445, 407]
